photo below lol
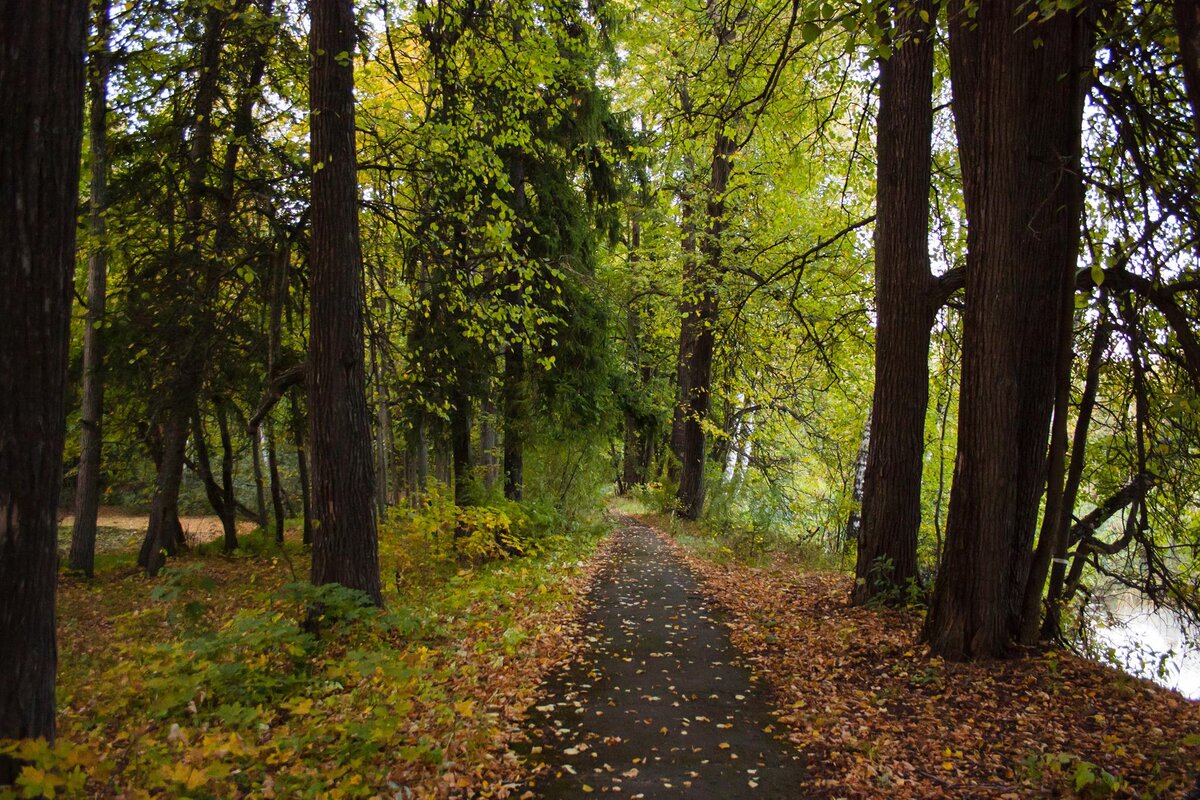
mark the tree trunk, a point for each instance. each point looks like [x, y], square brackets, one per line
[260, 483]
[1056, 470]
[1018, 100]
[345, 546]
[515, 416]
[460, 444]
[488, 443]
[891, 500]
[1187, 25]
[698, 335]
[163, 535]
[421, 452]
[1058, 570]
[187, 354]
[687, 328]
[87, 486]
[276, 484]
[229, 512]
[42, 45]
[302, 467]
[220, 496]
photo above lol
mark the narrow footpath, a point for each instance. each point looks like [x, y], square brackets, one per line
[657, 704]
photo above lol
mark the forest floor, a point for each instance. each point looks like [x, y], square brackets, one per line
[638, 660]
[873, 715]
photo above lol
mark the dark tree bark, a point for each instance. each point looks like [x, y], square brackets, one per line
[1061, 541]
[633, 471]
[905, 308]
[220, 496]
[488, 442]
[345, 546]
[298, 426]
[87, 486]
[683, 375]
[186, 365]
[420, 453]
[1187, 25]
[516, 413]
[697, 335]
[42, 45]
[229, 514]
[1018, 100]
[276, 484]
[460, 444]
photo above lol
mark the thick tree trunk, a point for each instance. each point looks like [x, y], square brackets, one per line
[87, 486]
[1018, 99]
[891, 505]
[345, 546]
[698, 336]
[687, 329]
[41, 92]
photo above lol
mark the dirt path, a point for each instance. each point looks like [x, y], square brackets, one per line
[657, 704]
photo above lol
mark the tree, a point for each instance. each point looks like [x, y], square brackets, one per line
[1018, 89]
[87, 486]
[41, 91]
[345, 546]
[905, 304]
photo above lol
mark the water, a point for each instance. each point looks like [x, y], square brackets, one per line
[1150, 643]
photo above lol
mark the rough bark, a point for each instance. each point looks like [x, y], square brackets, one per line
[345, 546]
[87, 486]
[904, 303]
[41, 92]
[1018, 99]
[276, 484]
[697, 335]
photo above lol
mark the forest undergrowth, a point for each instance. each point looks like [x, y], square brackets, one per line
[232, 677]
[878, 717]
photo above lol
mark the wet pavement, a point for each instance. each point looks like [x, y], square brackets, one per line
[657, 704]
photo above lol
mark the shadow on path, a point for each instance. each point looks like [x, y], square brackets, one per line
[656, 705]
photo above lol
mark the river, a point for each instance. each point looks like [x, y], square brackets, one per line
[1148, 642]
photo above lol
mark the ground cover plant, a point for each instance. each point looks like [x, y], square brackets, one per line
[221, 679]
